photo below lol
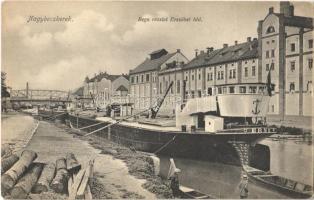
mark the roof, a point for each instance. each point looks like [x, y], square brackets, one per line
[122, 88]
[79, 91]
[298, 21]
[158, 51]
[149, 65]
[247, 50]
[102, 75]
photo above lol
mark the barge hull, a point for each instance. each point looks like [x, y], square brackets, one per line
[210, 147]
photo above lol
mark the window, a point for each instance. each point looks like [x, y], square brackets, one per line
[147, 77]
[310, 63]
[292, 47]
[311, 44]
[211, 76]
[178, 86]
[192, 77]
[270, 29]
[273, 108]
[231, 89]
[224, 90]
[142, 78]
[230, 74]
[243, 89]
[267, 42]
[309, 86]
[273, 41]
[192, 94]
[292, 87]
[208, 76]
[199, 93]
[160, 88]
[245, 71]
[222, 75]
[186, 78]
[234, 73]
[199, 76]
[219, 90]
[292, 66]
[209, 91]
[218, 77]
[267, 54]
[253, 71]
[132, 79]
[267, 67]
[272, 66]
[252, 89]
[136, 79]
[273, 53]
[261, 89]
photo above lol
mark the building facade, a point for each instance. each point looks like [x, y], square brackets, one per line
[283, 49]
[106, 89]
[147, 83]
[286, 41]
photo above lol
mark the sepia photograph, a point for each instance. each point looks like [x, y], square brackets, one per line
[157, 100]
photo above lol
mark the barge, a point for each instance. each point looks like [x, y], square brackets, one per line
[220, 128]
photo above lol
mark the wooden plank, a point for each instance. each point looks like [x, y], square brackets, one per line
[81, 190]
[8, 162]
[10, 177]
[70, 183]
[25, 184]
[72, 163]
[45, 178]
[76, 183]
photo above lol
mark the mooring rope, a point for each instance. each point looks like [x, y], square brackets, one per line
[90, 125]
[165, 145]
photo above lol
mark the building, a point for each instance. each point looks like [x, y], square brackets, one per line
[284, 48]
[286, 43]
[146, 82]
[107, 89]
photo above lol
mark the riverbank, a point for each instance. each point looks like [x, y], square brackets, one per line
[139, 164]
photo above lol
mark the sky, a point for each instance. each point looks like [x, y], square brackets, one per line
[108, 36]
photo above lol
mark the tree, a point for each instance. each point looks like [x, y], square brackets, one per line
[4, 88]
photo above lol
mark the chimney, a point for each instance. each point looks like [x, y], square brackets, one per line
[208, 50]
[196, 52]
[211, 49]
[248, 39]
[286, 9]
[271, 10]
[178, 50]
[225, 45]
[236, 42]
[255, 39]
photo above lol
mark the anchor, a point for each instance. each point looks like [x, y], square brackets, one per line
[242, 148]
[256, 111]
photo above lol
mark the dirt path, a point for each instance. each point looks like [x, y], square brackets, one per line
[112, 176]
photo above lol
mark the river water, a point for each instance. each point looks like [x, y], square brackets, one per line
[288, 158]
[17, 130]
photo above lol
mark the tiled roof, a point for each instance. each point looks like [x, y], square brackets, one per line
[79, 91]
[149, 65]
[234, 53]
[122, 88]
[298, 21]
[100, 76]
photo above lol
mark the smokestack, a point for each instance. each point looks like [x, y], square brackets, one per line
[196, 52]
[211, 49]
[27, 89]
[236, 42]
[248, 39]
[286, 8]
[178, 50]
[271, 10]
[208, 50]
[225, 45]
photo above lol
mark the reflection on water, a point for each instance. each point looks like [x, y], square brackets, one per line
[288, 159]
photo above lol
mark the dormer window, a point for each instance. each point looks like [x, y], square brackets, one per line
[270, 29]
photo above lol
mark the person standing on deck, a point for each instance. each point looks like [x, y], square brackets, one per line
[244, 187]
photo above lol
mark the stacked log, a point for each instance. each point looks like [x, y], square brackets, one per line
[8, 162]
[5, 150]
[10, 177]
[45, 178]
[72, 164]
[25, 184]
[60, 181]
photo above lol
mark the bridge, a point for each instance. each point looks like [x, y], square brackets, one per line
[39, 96]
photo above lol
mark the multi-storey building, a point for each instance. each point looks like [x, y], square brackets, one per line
[106, 89]
[284, 48]
[286, 43]
[146, 81]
